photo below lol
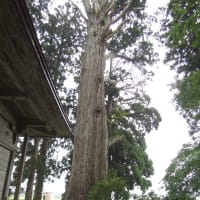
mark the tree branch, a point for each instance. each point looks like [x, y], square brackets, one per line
[96, 6]
[111, 6]
[114, 139]
[125, 58]
[87, 5]
[80, 11]
[122, 13]
[111, 33]
[110, 56]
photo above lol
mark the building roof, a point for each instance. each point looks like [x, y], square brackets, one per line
[27, 92]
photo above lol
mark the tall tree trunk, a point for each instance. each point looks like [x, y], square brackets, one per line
[29, 188]
[41, 170]
[90, 155]
[21, 168]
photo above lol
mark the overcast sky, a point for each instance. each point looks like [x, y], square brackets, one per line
[163, 144]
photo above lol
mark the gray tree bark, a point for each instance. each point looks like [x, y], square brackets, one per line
[29, 189]
[90, 155]
[21, 168]
[41, 170]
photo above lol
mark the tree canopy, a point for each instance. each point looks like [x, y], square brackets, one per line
[131, 118]
[181, 30]
[182, 37]
[182, 176]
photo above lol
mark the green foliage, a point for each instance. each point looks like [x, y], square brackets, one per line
[182, 177]
[28, 161]
[132, 118]
[129, 43]
[149, 196]
[131, 162]
[62, 35]
[128, 157]
[113, 188]
[182, 37]
[123, 39]
[189, 91]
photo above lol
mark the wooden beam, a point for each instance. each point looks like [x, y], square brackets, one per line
[36, 128]
[35, 125]
[47, 131]
[12, 94]
[41, 132]
[32, 123]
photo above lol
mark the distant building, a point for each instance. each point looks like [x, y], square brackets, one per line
[48, 196]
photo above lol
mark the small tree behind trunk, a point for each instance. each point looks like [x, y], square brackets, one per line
[29, 189]
[21, 168]
[41, 170]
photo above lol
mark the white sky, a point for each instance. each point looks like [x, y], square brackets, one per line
[164, 143]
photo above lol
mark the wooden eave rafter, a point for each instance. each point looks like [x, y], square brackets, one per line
[34, 128]
[13, 95]
[26, 87]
